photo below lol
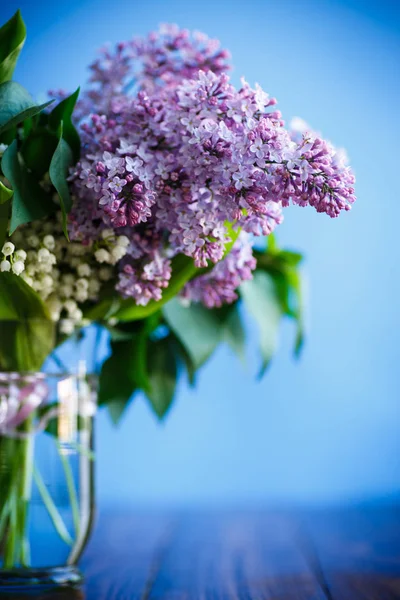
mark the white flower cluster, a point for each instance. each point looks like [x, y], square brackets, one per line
[65, 274]
[113, 247]
[12, 260]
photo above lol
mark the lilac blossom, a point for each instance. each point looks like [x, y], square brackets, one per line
[219, 286]
[172, 153]
[144, 271]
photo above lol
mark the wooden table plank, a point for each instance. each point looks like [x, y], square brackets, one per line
[358, 551]
[122, 554]
[235, 555]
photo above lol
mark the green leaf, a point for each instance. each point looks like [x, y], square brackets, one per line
[283, 291]
[30, 201]
[271, 243]
[233, 234]
[184, 358]
[4, 218]
[12, 38]
[196, 327]
[16, 105]
[233, 332]
[38, 150]
[116, 409]
[282, 265]
[5, 193]
[26, 331]
[262, 301]
[59, 167]
[18, 300]
[62, 113]
[107, 304]
[162, 372]
[27, 127]
[292, 259]
[7, 137]
[139, 352]
[103, 309]
[125, 371]
[277, 260]
[117, 380]
[295, 283]
[117, 334]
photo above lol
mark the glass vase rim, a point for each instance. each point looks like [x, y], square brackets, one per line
[44, 375]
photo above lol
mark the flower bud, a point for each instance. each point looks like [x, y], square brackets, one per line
[20, 255]
[43, 255]
[33, 241]
[83, 270]
[67, 326]
[49, 242]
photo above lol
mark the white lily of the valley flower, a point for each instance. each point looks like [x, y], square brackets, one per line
[8, 249]
[83, 270]
[107, 233]
[67, 326]
[20, 255]
[33, 241]
[122, 240]
[49, 242]
[5, 266]
[18, 267]
[118, 252]
[102, 256]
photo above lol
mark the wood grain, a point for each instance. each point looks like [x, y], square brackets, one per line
[357, 551]
[123, 553]
[235, 555]
[320, 555]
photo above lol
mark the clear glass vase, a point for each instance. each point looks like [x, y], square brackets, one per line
[46, 471]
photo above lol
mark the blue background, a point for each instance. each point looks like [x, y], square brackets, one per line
[325, 429]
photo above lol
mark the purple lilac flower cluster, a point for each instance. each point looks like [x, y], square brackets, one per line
[218, 287]
[173, 153]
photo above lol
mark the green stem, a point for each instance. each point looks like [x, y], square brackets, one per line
[4, 514]
[80, 448]
[5, 488]
[16, 454]
[9, 551]
[73, 498]
[51, 508]
[25, 491]
[11, 519]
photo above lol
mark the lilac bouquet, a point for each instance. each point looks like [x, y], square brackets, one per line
[147, 206]
[143, 207]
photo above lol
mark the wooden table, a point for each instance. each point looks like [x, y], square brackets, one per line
[253, 555]
[350, 554]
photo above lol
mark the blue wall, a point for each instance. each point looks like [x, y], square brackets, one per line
[325, 429]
